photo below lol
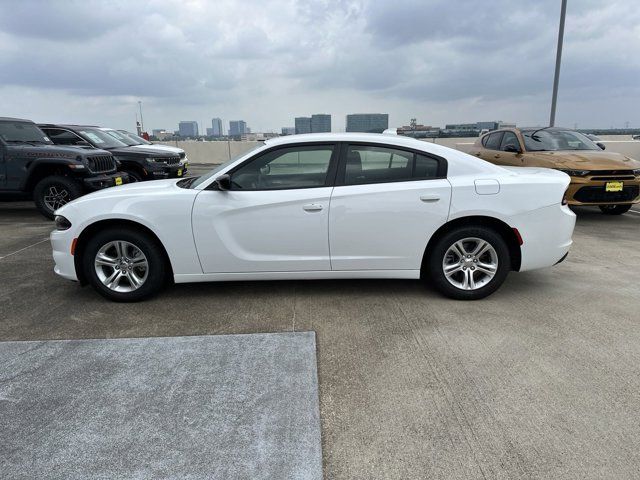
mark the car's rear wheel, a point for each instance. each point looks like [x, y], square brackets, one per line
[614, 209]
[124, 265]
[469, 263]
[53, 192]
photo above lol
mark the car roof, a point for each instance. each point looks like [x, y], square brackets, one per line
[11, 119]
[66, 125]
[351, 137]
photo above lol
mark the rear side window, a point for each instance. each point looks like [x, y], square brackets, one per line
[493, 141]
[373, 164]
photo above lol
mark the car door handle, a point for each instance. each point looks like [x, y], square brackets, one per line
[312, 207]
[430, 198]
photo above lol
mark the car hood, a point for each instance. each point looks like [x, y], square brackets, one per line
[164, 148]
[583, 160]
[57, 151]
[147, 151]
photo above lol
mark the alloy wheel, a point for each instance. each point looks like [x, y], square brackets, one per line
[121, 266]
[470, 263]
[56, 197]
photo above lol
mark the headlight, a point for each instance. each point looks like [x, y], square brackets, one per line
[575, 173]
[636, 172]
[156, 160]
[62, 223]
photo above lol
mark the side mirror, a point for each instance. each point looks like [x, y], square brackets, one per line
[601, 145]
[511, 149]
[223, 182]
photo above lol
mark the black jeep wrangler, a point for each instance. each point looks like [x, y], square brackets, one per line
[32, 166]
[141, 163]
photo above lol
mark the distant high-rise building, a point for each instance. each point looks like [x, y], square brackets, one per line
[320, 122]
[367, 122]
[216, 127]
[237, 128]
[288, 130]
[303, 125]
[188, 128]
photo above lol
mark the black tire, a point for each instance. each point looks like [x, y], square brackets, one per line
[438, 254]
[149, 246]
[68, 189]
[614, 209]
[134, 176]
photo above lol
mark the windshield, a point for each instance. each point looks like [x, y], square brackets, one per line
[544, 140]
[199, 180]
[99, 138]
[135, 138]
[119, 136]
[22, 132]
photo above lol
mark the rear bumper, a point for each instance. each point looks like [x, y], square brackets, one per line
[546, 235]
[99, 182]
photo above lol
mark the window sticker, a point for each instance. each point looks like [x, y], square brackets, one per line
[92, 136]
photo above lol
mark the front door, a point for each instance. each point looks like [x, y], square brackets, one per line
[275, 216]
[386, 205]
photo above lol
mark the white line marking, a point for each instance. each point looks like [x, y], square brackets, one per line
[634, 211]
[22, 249]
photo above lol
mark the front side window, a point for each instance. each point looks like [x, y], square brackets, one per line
[373, 164]
[510, 139]
[493, 141]
[285, 168]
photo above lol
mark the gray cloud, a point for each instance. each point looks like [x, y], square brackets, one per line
[269, 61]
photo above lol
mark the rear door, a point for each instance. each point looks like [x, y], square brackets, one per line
[387, 203]
[491, 150]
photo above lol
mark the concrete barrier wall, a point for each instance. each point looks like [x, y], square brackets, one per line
[219, 152]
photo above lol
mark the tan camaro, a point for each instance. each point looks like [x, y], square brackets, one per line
[605, 179]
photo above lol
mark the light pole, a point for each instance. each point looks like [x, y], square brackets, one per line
[556, 78]
[141, 120]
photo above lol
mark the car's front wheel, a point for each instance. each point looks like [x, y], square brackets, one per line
[614, 209]
[469, 263]
[53, 192]
[124, 265]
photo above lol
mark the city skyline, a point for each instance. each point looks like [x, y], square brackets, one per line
[441, 62]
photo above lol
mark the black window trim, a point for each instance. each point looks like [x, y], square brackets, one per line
[331, 171]
[341, 170]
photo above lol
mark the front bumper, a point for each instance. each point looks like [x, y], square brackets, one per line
[61, 241]
[160, 170]
[592, 190]
[98, 182]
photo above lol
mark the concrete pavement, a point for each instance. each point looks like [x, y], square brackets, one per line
[541, 380]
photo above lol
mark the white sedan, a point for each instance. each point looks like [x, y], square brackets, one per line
[321, 206]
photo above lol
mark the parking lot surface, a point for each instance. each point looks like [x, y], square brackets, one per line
[541, 380]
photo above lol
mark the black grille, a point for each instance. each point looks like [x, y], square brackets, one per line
[101, 163]
[608, 173]
[169, 160]
[599, 194]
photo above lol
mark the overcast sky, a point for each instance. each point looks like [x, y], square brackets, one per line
[268, 61]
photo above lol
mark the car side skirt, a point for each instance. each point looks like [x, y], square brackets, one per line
[305, 275]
